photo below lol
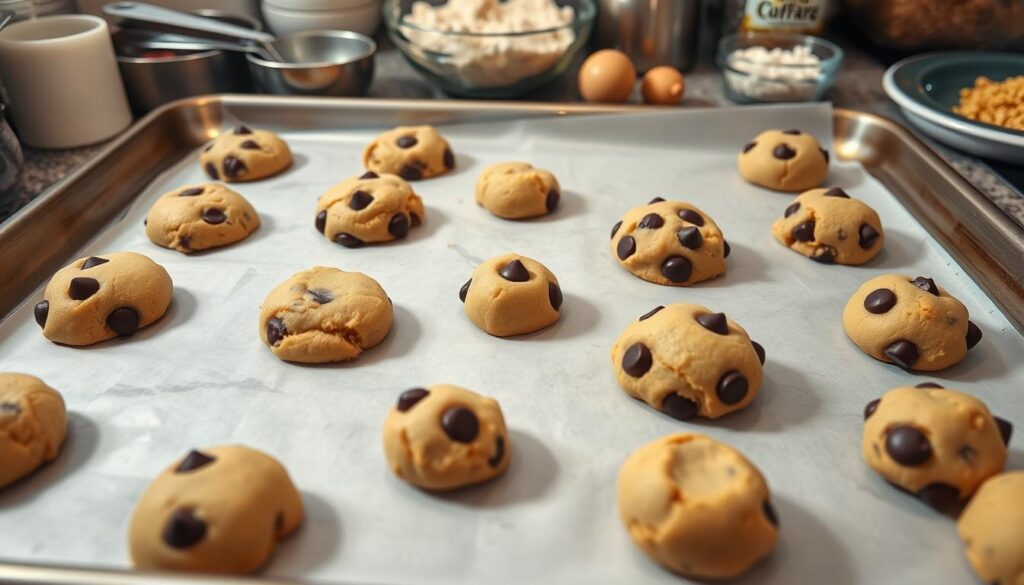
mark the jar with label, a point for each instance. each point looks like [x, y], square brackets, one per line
[797, 16]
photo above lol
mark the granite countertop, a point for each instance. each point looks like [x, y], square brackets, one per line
[858, 87]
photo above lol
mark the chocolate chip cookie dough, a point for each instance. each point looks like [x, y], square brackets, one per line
[910, 322]
[511, 295]
[686, 360]
[827, 225]
[784, 160]
[100, 297]
[936, 443]
[200, 217]
[697, 506]
[992, 528]
[411, 152]
[368, 209]
[517, 190]
[444, 437]
[33, 423]
[244, 154]
[325, 315]
[216, 510]
[669, 242]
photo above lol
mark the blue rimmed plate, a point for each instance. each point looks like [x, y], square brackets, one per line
[927, 87]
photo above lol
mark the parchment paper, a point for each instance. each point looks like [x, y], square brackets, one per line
[201, 375]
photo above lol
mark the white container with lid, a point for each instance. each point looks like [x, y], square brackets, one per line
[288, 16]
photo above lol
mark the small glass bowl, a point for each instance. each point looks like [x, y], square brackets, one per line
[465, 64]
[779, 83]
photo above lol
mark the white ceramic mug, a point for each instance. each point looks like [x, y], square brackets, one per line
[62, 81]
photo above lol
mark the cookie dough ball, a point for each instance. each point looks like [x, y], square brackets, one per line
[669, 242]
[686, 360]
[511, 295]
[200, 217]
[411, 152]
[697, 506]
[216, 510]
[445, 437]
[784, 160]
[827, 225]
[325, 315]
[368, 209]
[517, 190]
[33, 423]
[101, 297]
[992, 528]
[936, 443]
[244, 154]
[910, 322]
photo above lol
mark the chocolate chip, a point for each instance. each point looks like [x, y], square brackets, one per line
[637, 360]
[406, 141]
[926, 284]
[249, 145]
[212, 171]
[554, 296]
[769, 513]
[973, 334]
[793, 132]
[242, 130]
[939, 495]
[824, 153]
[499, 451]
[208, 147]
[676, 268]
[615, 228]
[650, 313]
[732, 387]
[656, 200]
[804, 232]
[275, 330]
[795, 207]
[515, 271]
[871, 407]
[321, 295]
[929, 385]
[410, 173]
[360, 200]
[824, 254]
[465, 290]
[214, 216]
[1005, 429]
[409, 398]
[82, 287]
[321, 221]
[460, 424]
[123, 321]
[714, 322]
[692, 217]
[42, 310]
[416, 221]
[194, 460]
[234, 167]
[690, 237]
[783, 152]
[184, 529]
[836, 192]
[626, 247]
[880, 301]
[748, 147]
[552, 201]
[369, 175]
[399, 225]
[184, 241]
[759, 350]
[10, 408]
[902, 353]
[867, 236]
[651, 221]
[449, 159]
[194, 191]
[679, 407]
[907, 446]
[726, 249]
[348, 240]
[93, 261]
[278, 523]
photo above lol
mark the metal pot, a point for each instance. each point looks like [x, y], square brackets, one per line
[663, 32]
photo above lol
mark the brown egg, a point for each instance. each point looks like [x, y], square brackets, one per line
[663, 86]
[607, 76]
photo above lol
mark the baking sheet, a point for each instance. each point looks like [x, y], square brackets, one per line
[201, 376]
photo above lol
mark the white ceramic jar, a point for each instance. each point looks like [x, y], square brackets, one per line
[288, 16]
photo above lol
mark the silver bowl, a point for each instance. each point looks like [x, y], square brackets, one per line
[320, 62]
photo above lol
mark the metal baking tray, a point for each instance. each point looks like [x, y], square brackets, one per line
[46, 234]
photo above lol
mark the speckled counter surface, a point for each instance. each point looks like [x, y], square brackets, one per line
[858, 87]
